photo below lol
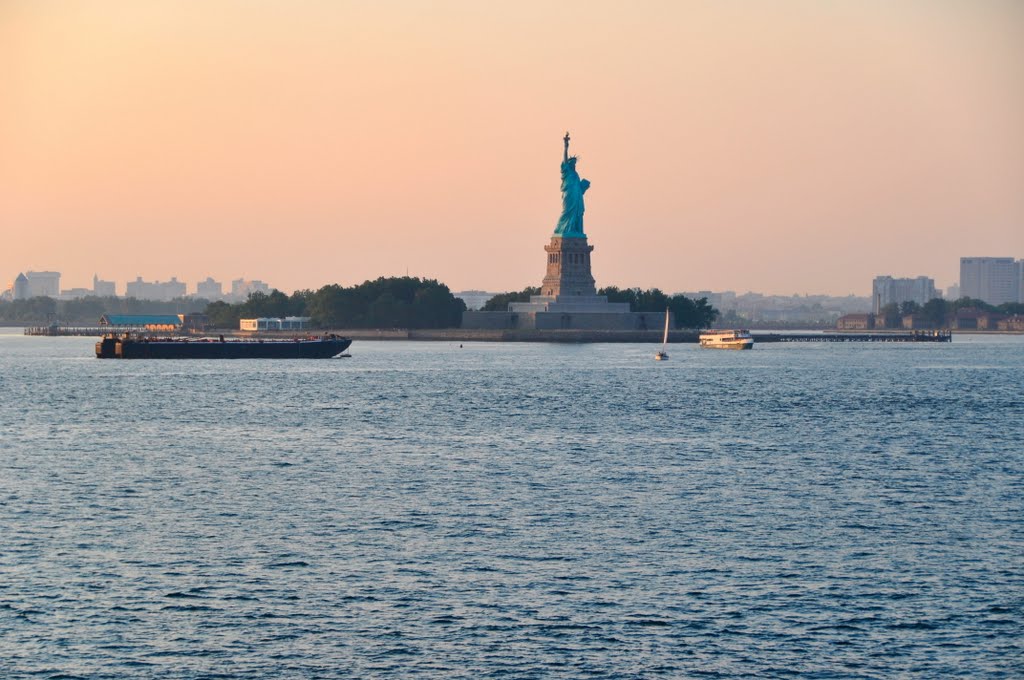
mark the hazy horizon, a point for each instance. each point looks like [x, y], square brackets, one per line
[792, 147]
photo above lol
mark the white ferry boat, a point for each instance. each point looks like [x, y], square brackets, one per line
[734, 339]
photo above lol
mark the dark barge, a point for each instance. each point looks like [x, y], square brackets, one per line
[129, 346]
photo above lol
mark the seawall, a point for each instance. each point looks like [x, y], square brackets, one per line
[506, 335]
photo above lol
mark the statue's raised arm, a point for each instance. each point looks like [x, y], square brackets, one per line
[565, 151]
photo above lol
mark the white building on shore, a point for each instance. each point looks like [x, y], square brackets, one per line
[887, 290]
[994, 280]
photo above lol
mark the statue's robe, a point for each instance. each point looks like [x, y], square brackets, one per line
[571, 221]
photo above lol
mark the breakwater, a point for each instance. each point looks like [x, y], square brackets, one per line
[493, 335]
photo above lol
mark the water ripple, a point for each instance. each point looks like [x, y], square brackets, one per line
[514, 511]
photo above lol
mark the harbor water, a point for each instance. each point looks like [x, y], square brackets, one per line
[514, 511]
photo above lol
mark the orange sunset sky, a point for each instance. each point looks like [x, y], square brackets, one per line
[782, 147]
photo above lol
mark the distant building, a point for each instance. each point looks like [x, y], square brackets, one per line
[288, 323]
[103, 288]
[974, 319]
[1011, 323]
[856, 322]
[137, 289]
[195, 321]
[43, 284]
[155, 290]
[887, 290]
[474, 299]
[99, 289]
[209, 289]
[790, 309]
[913, 322]
[720, 301]
[20, 288]
[75, 293]
[242, 289]
[994, 280]
[953, 292]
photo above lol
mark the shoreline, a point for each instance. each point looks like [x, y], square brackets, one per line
[555, 336]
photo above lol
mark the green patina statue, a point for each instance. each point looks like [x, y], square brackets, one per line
[570, 224]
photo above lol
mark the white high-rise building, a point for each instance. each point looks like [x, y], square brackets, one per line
[20, 288]
[994, 280]
[241, 289]
[43, 284]
[887, 290]
[210, 289]
[101, 288]
[155, 290]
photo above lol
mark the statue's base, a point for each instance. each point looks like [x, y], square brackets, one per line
[568, 299]
[568, 272]
[525, 316]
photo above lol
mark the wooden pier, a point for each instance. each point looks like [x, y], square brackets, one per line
[909, 336]
[94, 331]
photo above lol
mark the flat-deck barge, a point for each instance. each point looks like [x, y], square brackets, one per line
[130, 346]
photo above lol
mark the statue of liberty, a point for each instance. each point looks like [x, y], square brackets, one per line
[570, 224]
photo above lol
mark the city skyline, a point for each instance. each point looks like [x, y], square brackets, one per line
[785, 148]
[30, 283]
[213, 288]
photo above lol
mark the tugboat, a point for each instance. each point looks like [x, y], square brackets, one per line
[133, 346]
[732, 339]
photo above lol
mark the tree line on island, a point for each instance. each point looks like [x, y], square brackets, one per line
[688, 313]
[396, 302]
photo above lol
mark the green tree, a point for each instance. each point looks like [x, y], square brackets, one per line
[34, 311]
[691, 313]
[970, 303]
[221, 314]
[274, 304]
[688, 313]
[500, 302]
[889, 315]
[935, 311]
[1011, 308]
[909, 307]
[400, 302]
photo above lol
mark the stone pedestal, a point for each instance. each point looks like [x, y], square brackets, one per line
[568, 299]
[568, 272]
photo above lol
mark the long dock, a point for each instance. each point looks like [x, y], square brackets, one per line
[907, 336]
[94, 331]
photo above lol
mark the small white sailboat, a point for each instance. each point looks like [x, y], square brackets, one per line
[663, 354]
